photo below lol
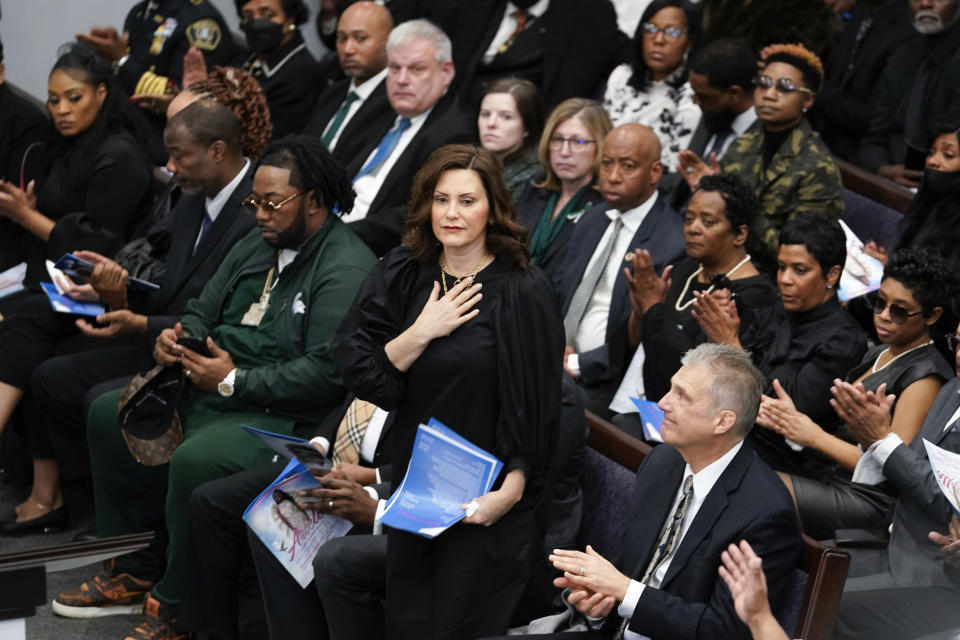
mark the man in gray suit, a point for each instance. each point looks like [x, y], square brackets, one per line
[916, 592]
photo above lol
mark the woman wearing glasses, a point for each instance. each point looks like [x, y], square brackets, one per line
[569, 155]
[785, 161]
[917, 285]
[653, 89]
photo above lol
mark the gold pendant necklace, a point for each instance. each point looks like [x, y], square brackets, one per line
[472, 274]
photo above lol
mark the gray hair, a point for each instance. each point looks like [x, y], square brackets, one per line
[736, 385]
[411, 30]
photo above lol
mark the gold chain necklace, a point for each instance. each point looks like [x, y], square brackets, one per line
[473, 272]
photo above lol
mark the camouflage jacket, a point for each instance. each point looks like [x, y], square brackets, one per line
[802, 176]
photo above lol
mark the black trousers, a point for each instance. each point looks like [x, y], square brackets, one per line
[350, 575]
[894, 614]
[59, 387]
[221, 570]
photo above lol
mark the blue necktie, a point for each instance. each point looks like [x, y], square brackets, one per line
[387, 145]
[204, 227]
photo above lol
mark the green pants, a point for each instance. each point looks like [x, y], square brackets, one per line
[130, 497]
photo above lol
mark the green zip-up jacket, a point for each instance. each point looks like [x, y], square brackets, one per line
[312, 295]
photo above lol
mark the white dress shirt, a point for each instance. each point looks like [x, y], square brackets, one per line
[369, 185]
[509, 24]
[363, 91]
[593, 328]
[703, 482]
[739, 125]
[216, 204]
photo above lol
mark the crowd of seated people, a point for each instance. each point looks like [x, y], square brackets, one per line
[498, 214]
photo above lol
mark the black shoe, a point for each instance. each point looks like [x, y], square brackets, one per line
[50, 522]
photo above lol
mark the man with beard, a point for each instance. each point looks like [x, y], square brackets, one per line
[918, 86]
[721, 76]
[267, 316]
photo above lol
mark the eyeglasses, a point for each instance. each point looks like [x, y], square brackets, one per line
[650, 29]
[897, 313]
[953, 341]
[577, 145]
[783, 85]
[253, 204]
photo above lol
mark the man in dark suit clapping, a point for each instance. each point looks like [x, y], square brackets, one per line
[701, 491]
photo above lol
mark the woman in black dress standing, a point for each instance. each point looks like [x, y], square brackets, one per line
[99, 184]
[421, 339]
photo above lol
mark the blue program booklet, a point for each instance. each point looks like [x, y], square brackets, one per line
[652, 418]
[291, 447]
[445, 471]
[286, 524]
[63, 304]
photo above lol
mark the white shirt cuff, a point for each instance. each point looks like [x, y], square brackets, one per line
[573, 363]
[377, 525]
[630, 600]
[323, 442]
[886, 446]
[376, 470]
[372, 493]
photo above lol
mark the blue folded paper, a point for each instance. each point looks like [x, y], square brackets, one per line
[446, 471]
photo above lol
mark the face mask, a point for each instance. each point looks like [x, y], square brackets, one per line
[263, 34]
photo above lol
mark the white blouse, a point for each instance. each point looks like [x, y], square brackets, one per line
[664, 106]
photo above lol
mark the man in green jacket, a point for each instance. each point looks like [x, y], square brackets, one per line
[267, 316]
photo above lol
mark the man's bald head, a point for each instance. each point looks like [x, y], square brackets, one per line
[630, 166]
[362, 32]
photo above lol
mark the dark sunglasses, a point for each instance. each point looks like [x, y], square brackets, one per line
[953, 341]
[897, 313]
[783, 85]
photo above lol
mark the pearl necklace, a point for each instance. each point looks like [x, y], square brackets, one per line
[874, 369]
[682, 307]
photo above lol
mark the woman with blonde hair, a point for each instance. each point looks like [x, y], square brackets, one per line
[569, 155]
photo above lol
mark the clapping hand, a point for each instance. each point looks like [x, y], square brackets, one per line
[866, 412]
[781, 415]
[742, 571]
[109, 44]
[717, 315]
[14, 201]
[595, 584]
[645, 286]
[693, 168]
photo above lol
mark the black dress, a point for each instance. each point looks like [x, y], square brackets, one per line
[98, 210]
[805, 351]
[828, 499]
[667, 333]
[496, 381]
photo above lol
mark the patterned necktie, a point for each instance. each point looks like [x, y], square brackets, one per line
[387, 145]
[521, 17]
[668, 538]
[338, 119]
[588, 285]
[350, 433]
[670, 532]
